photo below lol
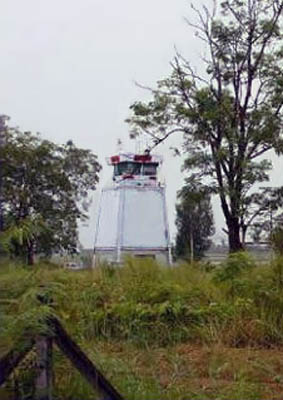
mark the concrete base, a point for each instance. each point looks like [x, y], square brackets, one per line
[111, 256]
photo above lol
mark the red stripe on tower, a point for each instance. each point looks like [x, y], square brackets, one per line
[142, 158]
[115, 159]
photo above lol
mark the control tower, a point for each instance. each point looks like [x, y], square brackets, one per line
[132, 215]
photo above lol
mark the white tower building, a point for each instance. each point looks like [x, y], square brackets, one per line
[132, 215]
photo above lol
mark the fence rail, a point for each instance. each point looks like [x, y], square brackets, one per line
[12, 359]
[70, 348]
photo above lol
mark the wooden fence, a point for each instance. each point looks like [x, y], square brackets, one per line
[43, 346]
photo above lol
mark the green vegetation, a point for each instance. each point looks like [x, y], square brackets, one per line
[194, 222]
[44, 192]
[229, 111]
[189, 332]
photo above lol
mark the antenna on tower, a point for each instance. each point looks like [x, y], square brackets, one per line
[137, 145]
[142, 144]
[119, 145]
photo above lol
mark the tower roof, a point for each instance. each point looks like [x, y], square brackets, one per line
[139, 158]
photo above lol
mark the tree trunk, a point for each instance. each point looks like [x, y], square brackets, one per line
[244, 232]
[30, 253]
[191, 247]
[235, 243]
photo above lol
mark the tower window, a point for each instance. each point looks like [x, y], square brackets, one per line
[128, 168]
[149, 169]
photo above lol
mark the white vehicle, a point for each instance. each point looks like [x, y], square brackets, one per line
[74, 265]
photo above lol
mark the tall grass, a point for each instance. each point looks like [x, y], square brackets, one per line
[150, 305]
[145, 306]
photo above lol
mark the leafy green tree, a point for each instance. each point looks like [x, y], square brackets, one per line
[194, 223]
[231, 117]
[20, 237]
[46, 182]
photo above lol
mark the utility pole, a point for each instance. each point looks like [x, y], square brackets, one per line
[270, 220]
[192, 246]
[2, 143]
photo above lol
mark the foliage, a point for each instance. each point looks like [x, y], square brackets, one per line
[143, 303]
[45, 191]
[231, 272]
[234, 266]
[277, 239]
[194, 222]
[231, 116]
[144, 324]
[22, 234]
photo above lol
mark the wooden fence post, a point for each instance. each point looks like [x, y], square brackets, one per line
[44, 376]
[83, 364]
[44, 364]
[44, 372]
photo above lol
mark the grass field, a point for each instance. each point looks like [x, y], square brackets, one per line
[188, 332]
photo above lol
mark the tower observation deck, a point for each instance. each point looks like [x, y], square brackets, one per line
[132, 216]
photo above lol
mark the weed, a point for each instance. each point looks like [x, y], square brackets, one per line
[156, 332]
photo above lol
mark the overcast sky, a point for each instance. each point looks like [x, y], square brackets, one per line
[68, 69]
